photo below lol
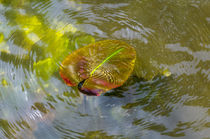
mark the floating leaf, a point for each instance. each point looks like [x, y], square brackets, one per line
[99, 67]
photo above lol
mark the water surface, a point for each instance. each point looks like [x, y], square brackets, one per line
[168, 35]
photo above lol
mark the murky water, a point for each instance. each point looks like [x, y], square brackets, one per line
[168, 35]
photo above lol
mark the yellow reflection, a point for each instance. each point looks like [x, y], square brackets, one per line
[4, 82]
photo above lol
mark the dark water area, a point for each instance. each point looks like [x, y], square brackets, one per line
[167, 96]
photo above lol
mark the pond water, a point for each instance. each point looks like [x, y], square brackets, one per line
[167, 96]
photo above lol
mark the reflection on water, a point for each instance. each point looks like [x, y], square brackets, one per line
[36, 35]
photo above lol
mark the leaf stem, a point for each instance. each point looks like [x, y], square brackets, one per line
[105, 60]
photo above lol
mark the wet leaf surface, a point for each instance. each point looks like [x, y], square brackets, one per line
[101, 66]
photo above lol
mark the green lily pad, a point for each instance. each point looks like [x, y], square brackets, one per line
[99, 67]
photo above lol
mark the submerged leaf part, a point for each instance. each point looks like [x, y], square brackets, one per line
[45, 68]
[100, 66]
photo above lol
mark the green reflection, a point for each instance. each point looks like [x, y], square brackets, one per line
[1, 37]
[4, 82]
[10, 130]
[98, 135]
